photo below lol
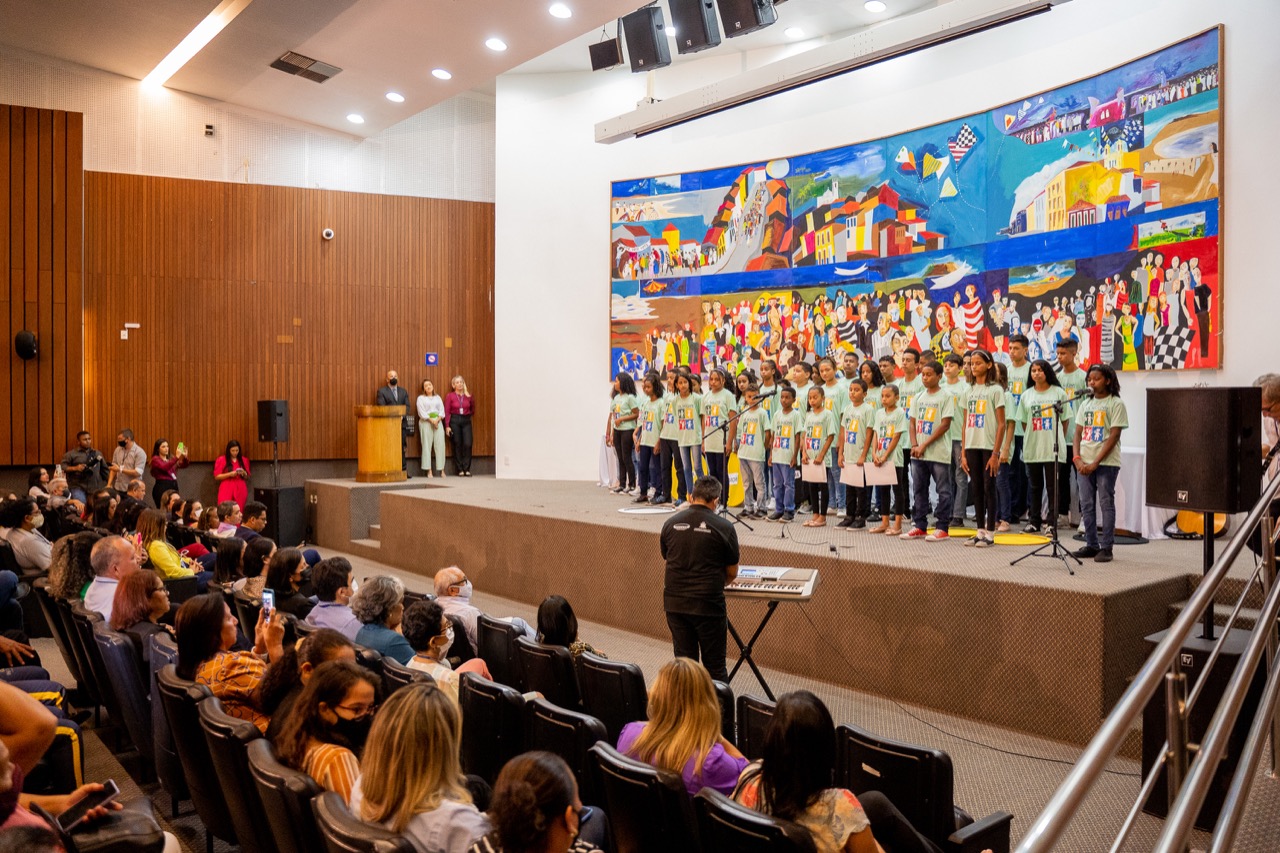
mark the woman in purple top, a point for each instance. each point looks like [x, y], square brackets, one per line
[164, 468]
[459, 406]
[683, 731]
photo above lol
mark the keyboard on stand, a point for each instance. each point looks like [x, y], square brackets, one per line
[775, 582]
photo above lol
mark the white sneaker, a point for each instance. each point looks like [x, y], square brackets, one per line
[841, 514]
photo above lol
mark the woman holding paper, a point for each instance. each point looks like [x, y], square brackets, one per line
[819, 431]
[431, 428]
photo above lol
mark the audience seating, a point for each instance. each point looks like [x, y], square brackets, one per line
[497, 641]
[343, 832]
[494, 725]
[87, 682]
[180, 537]
[612, 692]
[132, 698]
[286, 797]
[370, 659]
[461, 651]
[83, 620]
[918, 780]
[164, 651]
[228, 738]
[647, 807]
[180, 699]
[725, 825]
[570, 735]
[549, 671]
[57, 628]
[303, 628]
[396, 675]
[725, 694]
[180, 589]
[246, 609]
[754, 715]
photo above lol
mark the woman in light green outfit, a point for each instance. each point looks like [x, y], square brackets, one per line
[431, 428]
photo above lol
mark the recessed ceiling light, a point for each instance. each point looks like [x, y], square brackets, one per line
[441, 74]
[876, 6]
[395, 97]
[495, 44]
[793, 33]
[355, 118]
[559, 10]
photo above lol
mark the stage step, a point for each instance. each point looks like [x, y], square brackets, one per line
[375, 532]
[1230, 591]
[367, 543]
[1247, 618]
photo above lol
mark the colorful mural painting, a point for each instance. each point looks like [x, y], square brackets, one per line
[1091, 211]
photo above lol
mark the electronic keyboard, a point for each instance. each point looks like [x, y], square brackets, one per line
[773, 582]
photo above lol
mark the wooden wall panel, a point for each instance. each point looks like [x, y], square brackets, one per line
[239, 300]
[41, 241]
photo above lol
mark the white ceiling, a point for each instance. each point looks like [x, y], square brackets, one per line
[381, 45]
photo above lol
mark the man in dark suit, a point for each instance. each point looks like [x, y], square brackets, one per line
[392, 394]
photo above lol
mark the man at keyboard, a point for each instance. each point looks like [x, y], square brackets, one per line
[701, 550]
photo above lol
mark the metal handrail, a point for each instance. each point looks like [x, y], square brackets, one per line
[1062, 807]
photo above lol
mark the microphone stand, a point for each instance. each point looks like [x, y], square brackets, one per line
[724, 428]
[1055, 548]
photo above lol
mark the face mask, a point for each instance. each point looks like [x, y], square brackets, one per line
[395, 381]
[464, 591]
[123, 443]
[354, 732]
[448, 638]
[37, 520]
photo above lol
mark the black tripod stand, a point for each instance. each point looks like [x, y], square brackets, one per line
[1056, 551]
[724, 428]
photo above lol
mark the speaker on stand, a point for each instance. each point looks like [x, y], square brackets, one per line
[273, 426]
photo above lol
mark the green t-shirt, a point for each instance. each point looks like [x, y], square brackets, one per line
[1073, 383]
[772, 403]
[786, 428]
[907, 391]
[651, 421]
[836, 399]
[958, 392]
[670, 427]
[717, 408]
[689, 420]
[886, 426]
[855, 429]
[929, 411]
[980, 420]
[753, 428]
[1039, 420]
[818, 427]
[802, 397]
[1019, 381]
[621, 408]
[1096, 418]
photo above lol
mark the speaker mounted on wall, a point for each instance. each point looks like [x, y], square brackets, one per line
[24, 344]
[746, 16]
[695, 25]
[606, 54]
[1203, 448]
[646, 39]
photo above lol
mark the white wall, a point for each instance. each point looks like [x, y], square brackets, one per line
[443, 152]
[553, 182]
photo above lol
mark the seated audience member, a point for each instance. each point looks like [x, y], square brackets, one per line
[228, 562]
[104, 509]
[189, 512]
[59, 496]
[24, 519]
[253, 522]
[453, 591]
[229, 518]
[166, 560]
[535, 808]
[379, 605]
[113, 559]
[71, 568]
[38, 484]
[286, 678]
[430, 633]
[137, 491]
[334, 583]
[141, 600]
[682, 733]
[208, 522]
[206, 632]
[418, 792]
[328, 725]
[284, 576]
[257, 554]
[168, 504]
[558, 626]
[124, 520]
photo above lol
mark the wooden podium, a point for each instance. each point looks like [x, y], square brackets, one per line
[378, 444]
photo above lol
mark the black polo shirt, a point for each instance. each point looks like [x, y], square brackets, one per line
[698, 546]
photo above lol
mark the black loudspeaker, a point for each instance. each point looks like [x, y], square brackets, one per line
[286, 518]
[1204, 448]
[1193, 656]
[273, 420]
[606, 54]
[695, 23]
[746, 16]
[646, 39]
[24, 344]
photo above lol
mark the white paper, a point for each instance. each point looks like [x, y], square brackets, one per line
[881, 475]
[813, 473]
[853, 475]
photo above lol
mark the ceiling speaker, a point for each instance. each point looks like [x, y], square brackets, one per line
[746, 16]
[607, 54]
[646, 39]
[695, 23]
[24, 344]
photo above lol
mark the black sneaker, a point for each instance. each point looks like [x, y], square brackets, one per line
[1103, 556]
[642, 499]
[659, 500]
[1031, 528]
[1088, 551]
[847, 521]
[788, 516]
[859, 523]
[775, 516]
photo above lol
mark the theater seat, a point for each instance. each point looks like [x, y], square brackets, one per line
[724, 693]
[181, 589]
[396, 675]
[570, 735]
[228, 738]
[369, 659]
[246, 608]
[164, 651]
[493, 725]
[549, 670]
[612, 691]
[83, 620]
[286, 796]
[497, 641]
[918, 780]
[754, 715]
[647, 807]
[87, 679]
[56, 627]
[461, 651]
[343, 832]
[725, 825]
[132, 697]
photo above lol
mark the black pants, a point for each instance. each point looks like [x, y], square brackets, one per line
[982, 485]
[670, 455]
[461, 426]
[819, 497]
[1041, 476]
[1018, 483]
[623, 441]
[160, 487]
[718, 467]
[857, 501]
[891, 829]
[898, 492]
[701, 638]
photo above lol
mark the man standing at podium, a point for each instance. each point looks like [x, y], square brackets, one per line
[392, 394]
[701, 550]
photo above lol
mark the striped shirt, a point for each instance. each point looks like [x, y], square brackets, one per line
[234, 678]
[334, 767]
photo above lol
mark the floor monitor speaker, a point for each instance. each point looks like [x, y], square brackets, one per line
[695, 24]
[746, 16]
[273, 420]
[647, 39]
[1204, 448]
[286, 518]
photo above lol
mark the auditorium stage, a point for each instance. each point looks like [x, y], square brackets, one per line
[937, 624]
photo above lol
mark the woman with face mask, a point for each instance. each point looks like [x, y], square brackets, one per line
[430, 633]
[24, 520]
[329, 724]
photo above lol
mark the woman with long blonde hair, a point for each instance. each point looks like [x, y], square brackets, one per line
[411, 773]
[459, 406]
[682, 733]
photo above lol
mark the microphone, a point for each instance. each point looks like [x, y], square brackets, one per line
[772, 393]
[1084, 392]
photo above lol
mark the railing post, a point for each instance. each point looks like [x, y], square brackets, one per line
[1266, 533]
[1175, 702]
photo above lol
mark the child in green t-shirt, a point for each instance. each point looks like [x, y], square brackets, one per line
[1041, 413]
[753, 446]
[1099, 421]
[819, 431]
[648, 430]
[624, 412]
[688, 429]
[889, 432]
[985, 419]
[786, 426]
[855, 434]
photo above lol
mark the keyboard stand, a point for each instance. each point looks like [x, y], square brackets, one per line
[745, 650]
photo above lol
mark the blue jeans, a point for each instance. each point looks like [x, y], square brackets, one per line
[784, 487]
[1004, 493]
[649, 473]
[691, 462]
[753, 489]
[960, 492]
[1098, 492]
[10, 609]
[921, 471]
